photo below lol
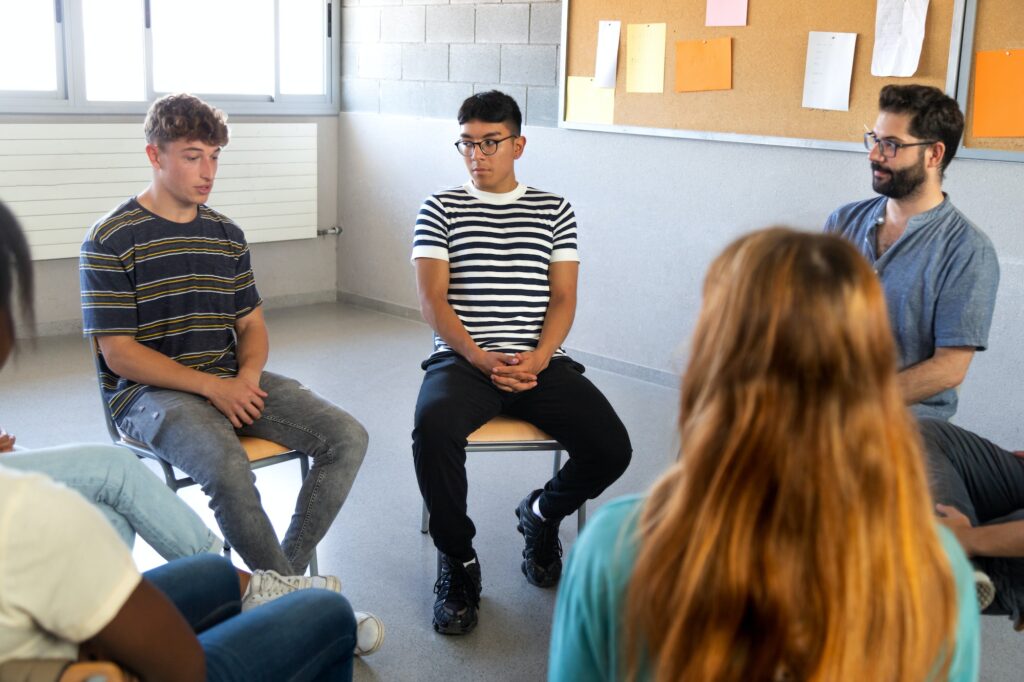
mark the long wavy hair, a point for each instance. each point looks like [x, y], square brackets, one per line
[794, 537]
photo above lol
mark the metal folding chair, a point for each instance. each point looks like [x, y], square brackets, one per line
[507, 434]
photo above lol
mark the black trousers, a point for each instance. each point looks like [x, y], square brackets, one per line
[456, 399]
[986, 483]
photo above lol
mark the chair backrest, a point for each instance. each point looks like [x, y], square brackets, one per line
[94, 349]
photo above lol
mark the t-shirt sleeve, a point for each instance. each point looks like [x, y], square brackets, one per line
[564, 247]
[65, 565]
[107, 287]
[430, 235]
[967, 297]
[967, 650]
[246, 295]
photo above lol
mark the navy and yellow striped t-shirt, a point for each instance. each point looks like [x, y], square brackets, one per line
[177, 288]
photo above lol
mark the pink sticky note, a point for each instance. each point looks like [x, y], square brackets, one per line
[726, 13]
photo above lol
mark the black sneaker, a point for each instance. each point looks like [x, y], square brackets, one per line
[458, 596]
[542, 557]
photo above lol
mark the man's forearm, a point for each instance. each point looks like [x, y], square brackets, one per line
[944, 370]
[442, 318]
[996, 540]
[557, 323]
[130, 359]
[253, 349]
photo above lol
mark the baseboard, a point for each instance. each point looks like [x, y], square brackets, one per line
[380, 306]
[628, 369]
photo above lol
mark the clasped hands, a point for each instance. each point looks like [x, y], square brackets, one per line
[238, 398]
[513, 373]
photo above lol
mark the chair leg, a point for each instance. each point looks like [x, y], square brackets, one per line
[558, 463]
[581, 518]
[425, 523]
[314, 568]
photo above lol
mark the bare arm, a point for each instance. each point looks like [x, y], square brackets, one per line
[151, 638]
[562, 280]
[253, 344]
[946, 369]
[432, 278]
[240, 399]
[994, 540]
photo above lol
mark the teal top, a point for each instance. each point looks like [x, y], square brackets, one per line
[586, 636]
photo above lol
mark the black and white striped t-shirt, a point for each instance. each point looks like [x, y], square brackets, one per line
[498, 247]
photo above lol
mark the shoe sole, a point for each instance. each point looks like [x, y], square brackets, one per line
[535, 583]
[986, 591]
[453, 629]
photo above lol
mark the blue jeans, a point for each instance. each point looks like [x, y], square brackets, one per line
[305, 635]
[129, 495]
[190, 433]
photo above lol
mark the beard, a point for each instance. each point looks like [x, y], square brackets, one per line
[900, 183]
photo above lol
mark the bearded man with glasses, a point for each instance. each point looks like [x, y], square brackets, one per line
[939, 272]
[496, 268]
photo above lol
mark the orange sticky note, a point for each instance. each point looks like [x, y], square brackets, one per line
[704, 65]
[999, 93]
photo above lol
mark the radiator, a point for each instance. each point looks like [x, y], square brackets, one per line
[59, 178]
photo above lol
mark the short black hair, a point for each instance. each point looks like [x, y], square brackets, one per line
[934, 115]
[492, 107]
[15, 268]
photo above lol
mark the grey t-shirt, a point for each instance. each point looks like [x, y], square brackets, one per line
[940, 280]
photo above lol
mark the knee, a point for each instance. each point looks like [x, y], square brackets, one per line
[616, 451]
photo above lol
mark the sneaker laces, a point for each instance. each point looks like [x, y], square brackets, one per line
[272, 584]
[546, 546]
[455, 586]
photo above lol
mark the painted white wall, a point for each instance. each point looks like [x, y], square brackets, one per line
[653, 212]
[287, 273]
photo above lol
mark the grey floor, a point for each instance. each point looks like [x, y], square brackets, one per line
[368, 363]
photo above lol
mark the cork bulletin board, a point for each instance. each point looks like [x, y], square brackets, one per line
[988, 25]
[768, 62]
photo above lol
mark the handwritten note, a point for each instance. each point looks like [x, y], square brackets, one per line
[828, 70]
[899, 34]
[726, 13]
[607, 61]
[645, 58]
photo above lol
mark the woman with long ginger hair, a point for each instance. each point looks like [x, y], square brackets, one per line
[794, 538]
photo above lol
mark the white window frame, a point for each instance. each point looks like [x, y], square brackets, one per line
[70, 95]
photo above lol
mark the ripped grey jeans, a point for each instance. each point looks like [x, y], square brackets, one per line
[190, 433]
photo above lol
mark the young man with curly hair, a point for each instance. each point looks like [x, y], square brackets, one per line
[169, 294]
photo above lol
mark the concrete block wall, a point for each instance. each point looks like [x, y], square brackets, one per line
[423, 57]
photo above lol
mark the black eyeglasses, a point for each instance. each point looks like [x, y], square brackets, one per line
[889, 147]
[487, 146]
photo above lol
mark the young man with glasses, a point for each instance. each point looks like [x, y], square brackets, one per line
[938, 270]
[496, 268]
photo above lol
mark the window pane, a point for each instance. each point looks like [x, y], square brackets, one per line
[302, 36]
[114, 50]
[222, 47]
[28, 46]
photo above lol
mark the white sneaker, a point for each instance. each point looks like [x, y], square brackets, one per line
[369, 633]
[985, 588]
[266, 586]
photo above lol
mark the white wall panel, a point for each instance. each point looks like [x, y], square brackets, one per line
[59, 178]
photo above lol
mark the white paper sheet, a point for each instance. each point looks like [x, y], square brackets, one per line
[828, 71]
[899, 33]
[607, 53]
